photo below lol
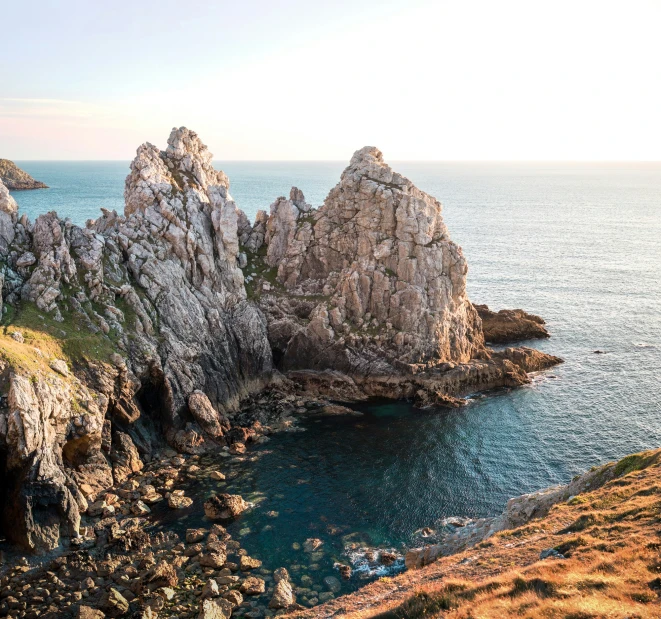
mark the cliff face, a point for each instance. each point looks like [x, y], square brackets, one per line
[162, 306]
[155, 327]
[366, 296]
[16, 179]
[388, 284]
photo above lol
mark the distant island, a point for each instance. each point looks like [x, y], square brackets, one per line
[15, 179]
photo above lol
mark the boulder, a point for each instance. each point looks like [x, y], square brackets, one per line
[283, 595]
[210, 589]
[215, 609]
[253, 586]
[114, 604]
[224, 506]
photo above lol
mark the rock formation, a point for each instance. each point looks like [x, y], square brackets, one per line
[366, 296]
[161, 301]
[509, 326]
[16, 179]
[161, 325]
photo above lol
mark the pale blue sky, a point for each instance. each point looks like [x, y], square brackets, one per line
[316, 80]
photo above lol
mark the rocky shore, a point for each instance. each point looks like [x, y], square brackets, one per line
[182, 326]
[15, 179]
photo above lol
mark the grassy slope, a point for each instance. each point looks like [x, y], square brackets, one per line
[46, 340]
[611, 538]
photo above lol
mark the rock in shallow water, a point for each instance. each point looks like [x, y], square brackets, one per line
[224, 506]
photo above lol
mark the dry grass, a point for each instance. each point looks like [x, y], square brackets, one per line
[611, 538]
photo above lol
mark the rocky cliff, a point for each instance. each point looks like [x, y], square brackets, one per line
[159, 326]
[16, 179]
[366, 296]
[147, 309]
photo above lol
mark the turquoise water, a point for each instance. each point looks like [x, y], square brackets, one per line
[578, 244]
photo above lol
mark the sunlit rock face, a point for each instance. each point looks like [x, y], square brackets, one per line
[160, 289]
[389, 284]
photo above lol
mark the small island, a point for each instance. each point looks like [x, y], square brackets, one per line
[15, 179]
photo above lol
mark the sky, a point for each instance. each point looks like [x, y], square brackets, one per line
[312, 80]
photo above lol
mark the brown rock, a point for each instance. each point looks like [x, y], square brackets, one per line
[508, 326]
[224, 506]
[253, 586]
[114, 603]
[87, 612]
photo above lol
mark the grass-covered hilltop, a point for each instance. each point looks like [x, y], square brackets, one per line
[135, 346]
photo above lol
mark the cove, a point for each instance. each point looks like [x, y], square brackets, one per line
[371, 480]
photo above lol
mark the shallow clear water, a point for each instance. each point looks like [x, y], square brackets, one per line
[579, 244]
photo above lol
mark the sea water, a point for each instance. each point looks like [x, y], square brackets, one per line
[579, 244]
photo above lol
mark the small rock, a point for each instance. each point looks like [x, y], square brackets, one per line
[333, 584]
[176, 501]
[234, 597]
[59, 366]
[18, 336]
[283, 595]
[195, 535]
[248, 563]
[551, 553]
[215, 609]
[114, 603]
[210, 589]
[224, 506]
[215, 559]
[237, 449]
[217, 475]
[253, 586]
[27, 259]
[387, 558]
[312, 544]
[87, 612]
[140, 509]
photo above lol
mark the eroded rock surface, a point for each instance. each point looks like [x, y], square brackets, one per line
[366, 296]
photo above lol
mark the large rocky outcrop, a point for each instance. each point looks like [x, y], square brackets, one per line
[366, 296]
[140, 329]
[160, 300]
[390, 284]
[508, 326]
[16, 179]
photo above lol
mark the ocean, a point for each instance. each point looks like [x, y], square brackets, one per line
[578, 244]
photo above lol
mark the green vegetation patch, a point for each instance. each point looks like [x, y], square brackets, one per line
[635, 462]
[46, 339]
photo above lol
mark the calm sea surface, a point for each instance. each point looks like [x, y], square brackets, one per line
[579, 244]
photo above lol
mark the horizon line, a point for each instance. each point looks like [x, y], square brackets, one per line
[345, 160]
